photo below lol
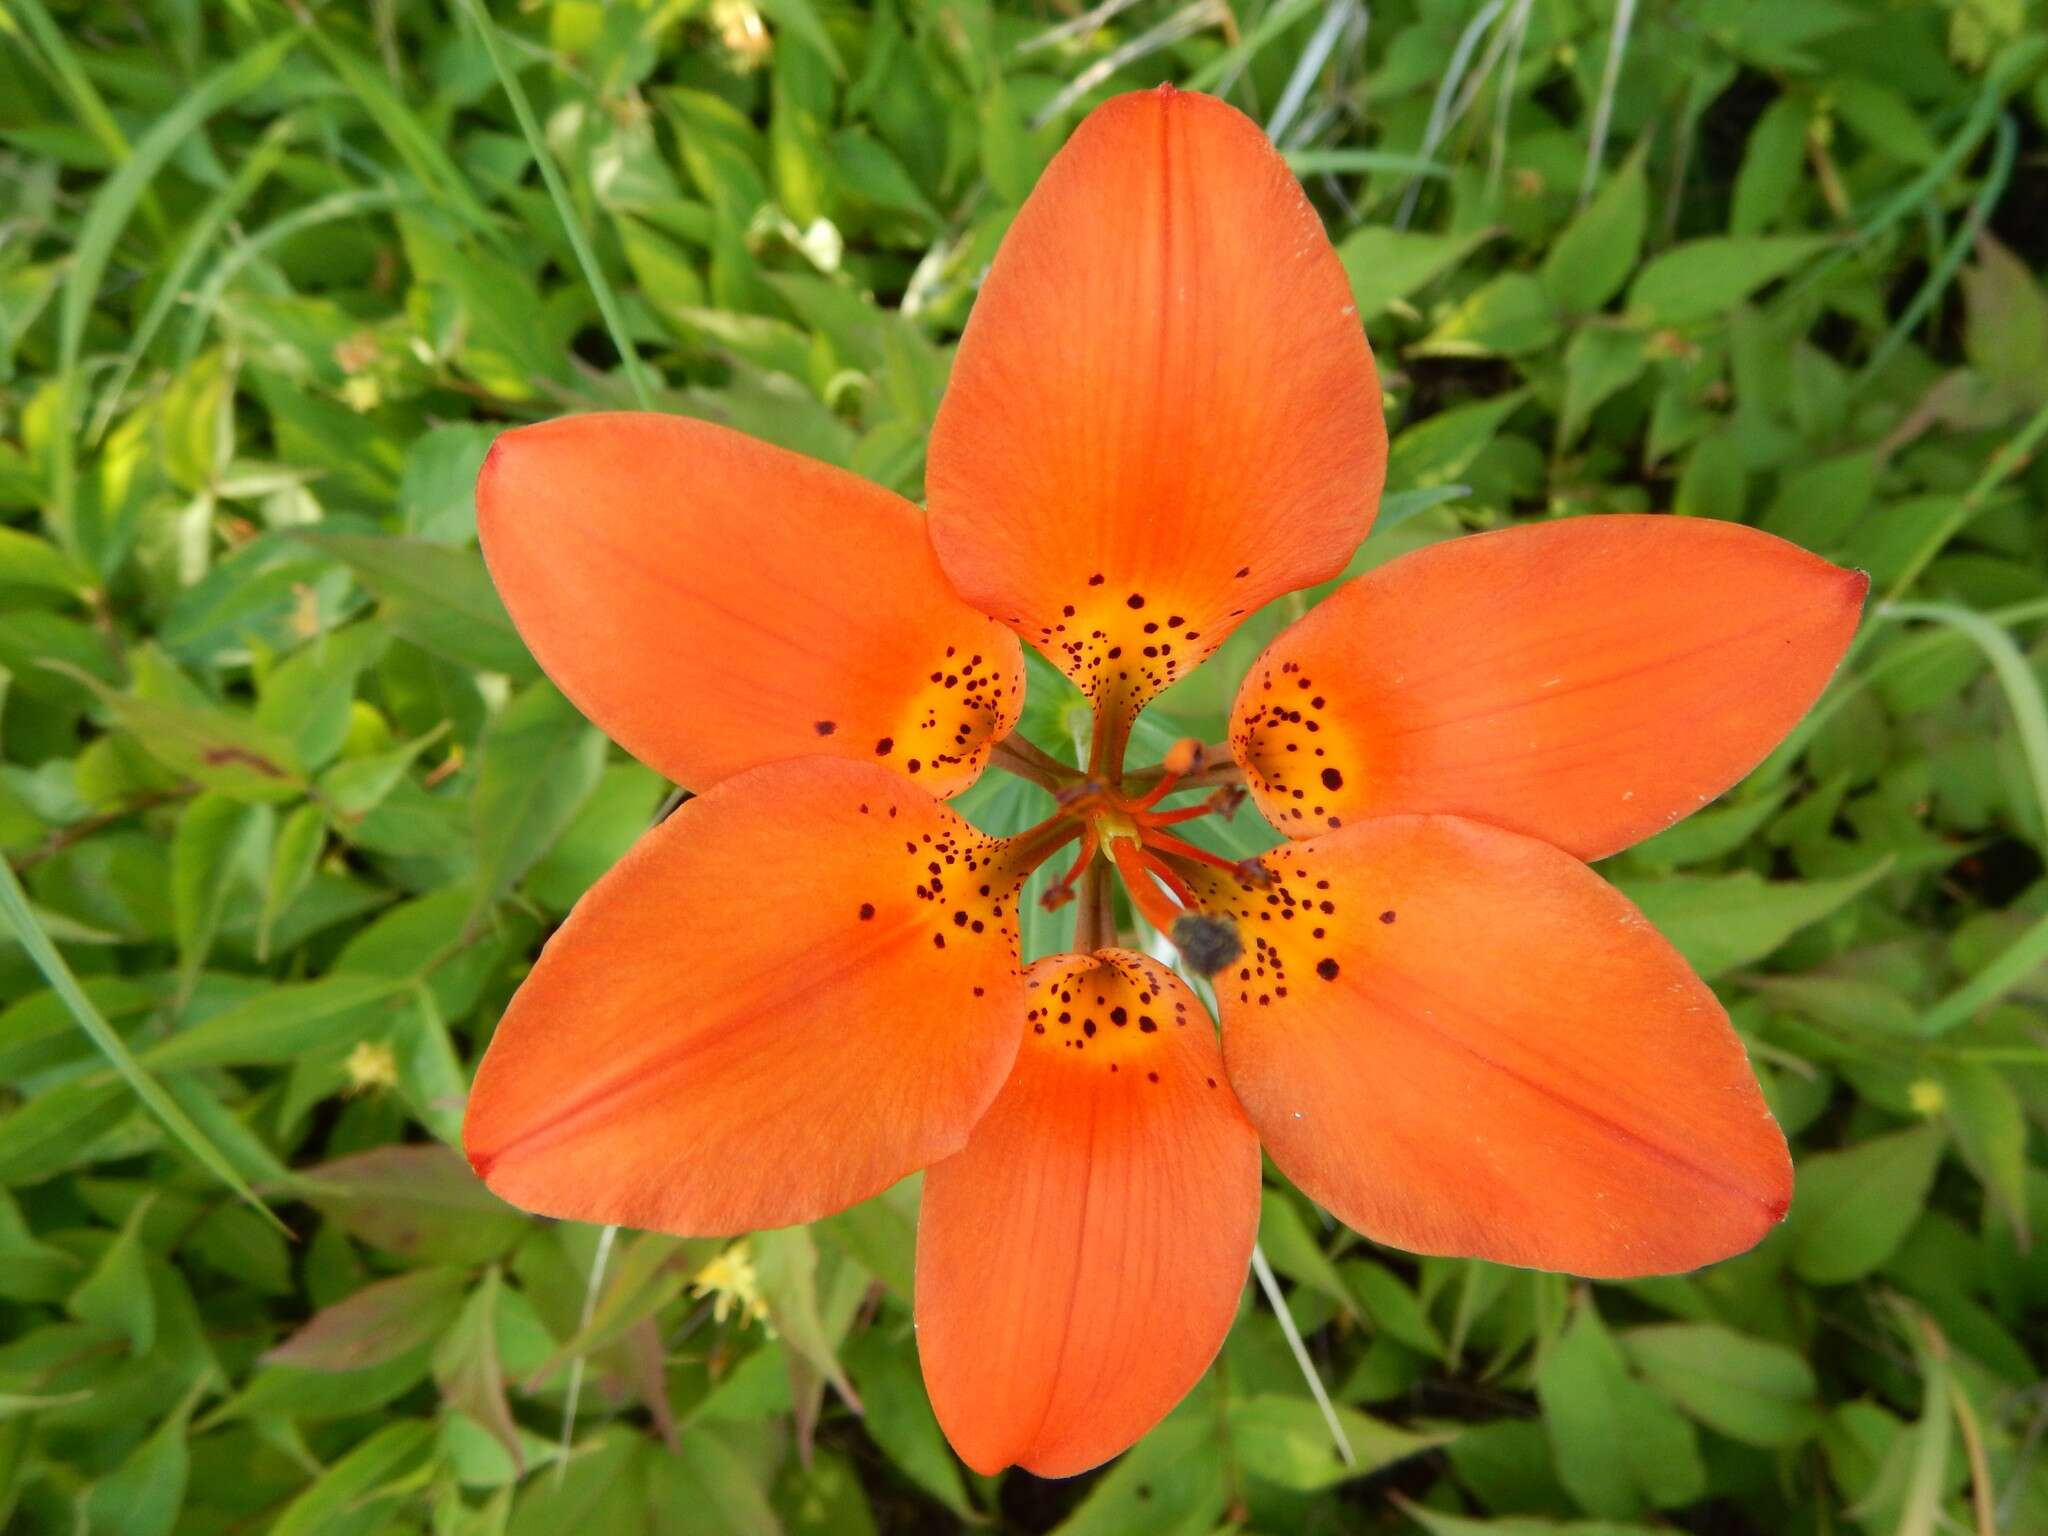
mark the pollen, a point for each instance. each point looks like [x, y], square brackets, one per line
[1208, 943]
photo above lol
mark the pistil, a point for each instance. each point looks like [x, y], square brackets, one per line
[1128, 831]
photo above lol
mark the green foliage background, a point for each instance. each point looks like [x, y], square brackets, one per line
[285, 791]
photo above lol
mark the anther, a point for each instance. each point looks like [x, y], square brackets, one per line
[1061, 891]
[1207, 942]
[1181, 759]
[1223, 802]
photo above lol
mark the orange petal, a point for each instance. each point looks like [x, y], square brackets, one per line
[1080, 1262]
[799, 988]
[1588, 682]
[1164, 412]
[715, 603]
[1462, 1041]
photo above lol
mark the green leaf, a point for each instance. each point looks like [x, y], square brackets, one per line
[144, 1495]
[221, 846]
[27, 561]
[600, 1489]
[2005, 321]
[1168, 1484]
[1712, 833]
[293, 857]
[1294, 1252]
[786, 1261]
[899, 1417]
[437, 596]
[437, 490]
[1437, 1523]
[281, 1024]
[212, 746]
[382, 1322]
[47, 1133]
[1772, 165]
[419, 1201]
[1984, 1111]
[112, 204]
[1598, 364]
[1599, 248]
[1506, 317]
[1749, 1390]
[308, 698]
[369, 1479]
[468, 1371]
[1385, 265]
[14, 908]
[1720, 922]
[1704, 279]
[1437, 451]
[1285, 1441]
[117, 1295]
[1392, 1306]
[1619, 1447]
[709, 1474]
[1852, 1208]
[540, 761]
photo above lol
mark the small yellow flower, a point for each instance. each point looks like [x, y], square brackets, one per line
[742, 31]
[1926, 1097]
[371, 1065]
[730, 1281]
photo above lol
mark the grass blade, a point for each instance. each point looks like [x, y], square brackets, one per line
[565, 208]
[1226, 66]
[1943, 272]
[111, 207]
[1603, 110]
[336, 205]
[1440, 109]
[15, 909]
[85, 98]
[250, 175]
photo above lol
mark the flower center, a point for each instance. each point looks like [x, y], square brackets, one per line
[1120, 828]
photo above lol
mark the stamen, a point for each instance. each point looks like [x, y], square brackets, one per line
[1166, 842]
[1168, 877]
[1224, 802]
[1061, 891]
[1145, 893]
[1182, 759]
[1207, 942]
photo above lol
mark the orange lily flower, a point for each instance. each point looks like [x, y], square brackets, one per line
[805, 984]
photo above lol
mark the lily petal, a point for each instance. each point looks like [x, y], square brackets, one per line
[1462, 1041]
[1079, 1264]
[1588, 682]
[799, 988]
[715, 603]
[1164, 412]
